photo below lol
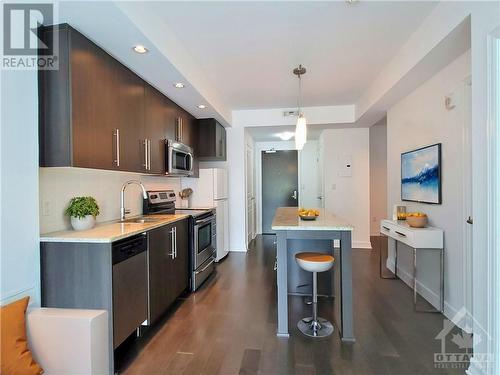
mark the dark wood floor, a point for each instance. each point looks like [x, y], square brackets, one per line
[228, 327]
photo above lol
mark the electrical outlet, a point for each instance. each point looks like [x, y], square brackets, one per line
[45, 208]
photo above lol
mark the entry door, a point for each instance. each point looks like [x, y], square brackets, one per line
[280, 184]
[250, 194]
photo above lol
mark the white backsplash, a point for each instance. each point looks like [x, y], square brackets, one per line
[59, 185]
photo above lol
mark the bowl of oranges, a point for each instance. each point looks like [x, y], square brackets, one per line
[308, 214]
[416, 219]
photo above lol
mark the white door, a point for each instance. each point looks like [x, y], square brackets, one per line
[467, 194]
[222, 222]
[320, 186]
[250, 194]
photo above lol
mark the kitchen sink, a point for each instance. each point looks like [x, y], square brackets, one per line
[140, 220]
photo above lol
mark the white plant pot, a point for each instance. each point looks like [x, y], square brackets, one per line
[84, 223]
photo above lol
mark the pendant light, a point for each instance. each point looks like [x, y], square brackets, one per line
[301, 127]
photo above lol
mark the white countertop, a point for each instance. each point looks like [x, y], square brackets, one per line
[287, 218]
[109, 231]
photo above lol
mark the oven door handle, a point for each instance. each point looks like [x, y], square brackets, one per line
[204, 221]
[205, 268]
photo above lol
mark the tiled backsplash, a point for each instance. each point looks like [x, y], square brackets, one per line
[59, 185]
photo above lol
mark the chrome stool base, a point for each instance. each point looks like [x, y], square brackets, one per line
[315, 328]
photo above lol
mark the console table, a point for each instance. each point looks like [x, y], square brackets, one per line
[417, 238]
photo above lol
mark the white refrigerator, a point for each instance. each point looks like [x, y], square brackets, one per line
[210, 190]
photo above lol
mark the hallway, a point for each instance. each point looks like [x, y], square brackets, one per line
[228, 327]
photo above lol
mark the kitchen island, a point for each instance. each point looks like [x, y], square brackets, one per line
[327, 227]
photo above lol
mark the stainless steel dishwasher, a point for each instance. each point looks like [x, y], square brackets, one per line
[130, 286]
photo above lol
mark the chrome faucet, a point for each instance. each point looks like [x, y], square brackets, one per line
[123, 210]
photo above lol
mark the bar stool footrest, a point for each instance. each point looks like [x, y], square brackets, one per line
[307, 327]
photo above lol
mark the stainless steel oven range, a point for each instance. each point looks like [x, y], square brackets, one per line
[202, 233]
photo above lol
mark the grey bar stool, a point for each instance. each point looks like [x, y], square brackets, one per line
[315, 262]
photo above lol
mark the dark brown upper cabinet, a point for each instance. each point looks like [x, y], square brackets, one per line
[91, 108]
[211, 144]
[97, 113]
[185, 128]
[159, 118]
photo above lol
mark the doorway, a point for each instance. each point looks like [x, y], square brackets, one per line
[280, 184]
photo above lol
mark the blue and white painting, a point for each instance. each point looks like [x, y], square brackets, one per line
[421, 175]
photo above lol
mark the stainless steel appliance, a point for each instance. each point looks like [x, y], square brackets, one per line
[204, 243]
[179, 159]
[202, 233]
[130, 291]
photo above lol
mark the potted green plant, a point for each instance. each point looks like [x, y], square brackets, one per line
[82, 212]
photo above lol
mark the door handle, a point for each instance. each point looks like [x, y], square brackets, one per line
[294, 195]
[469, 220]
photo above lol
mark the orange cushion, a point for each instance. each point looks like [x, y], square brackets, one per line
[15, 357]
[314, 257]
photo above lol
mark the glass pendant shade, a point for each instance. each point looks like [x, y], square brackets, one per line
[300, 132]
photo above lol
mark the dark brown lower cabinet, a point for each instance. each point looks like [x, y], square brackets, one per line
[168, 266]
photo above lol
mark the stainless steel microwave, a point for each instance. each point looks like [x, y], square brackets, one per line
[179, 159]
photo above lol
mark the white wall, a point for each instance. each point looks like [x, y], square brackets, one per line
[348, 197]
[235, 138]
[418, 120]
[378, 175]
[59, 185]
[19, 258]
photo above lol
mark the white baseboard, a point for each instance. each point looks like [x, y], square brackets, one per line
[362, 245]
[18, 294]
[238, 250]
[407, 278]
[430, 296]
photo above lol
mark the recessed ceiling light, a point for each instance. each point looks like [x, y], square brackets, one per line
[202, 106]
[286, 136]
[140, 49]
[179, 85]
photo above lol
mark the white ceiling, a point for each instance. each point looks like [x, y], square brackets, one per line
[248, 49]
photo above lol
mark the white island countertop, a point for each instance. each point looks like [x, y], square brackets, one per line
[287, 218]
[110, 231]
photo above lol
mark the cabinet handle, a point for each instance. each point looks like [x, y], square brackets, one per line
[172, 243]
[175, 240]
[385, 228]
[117, 146]
[145, 143]
[149, 154]
[401, 234]
[182, 129]
[178, 129]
